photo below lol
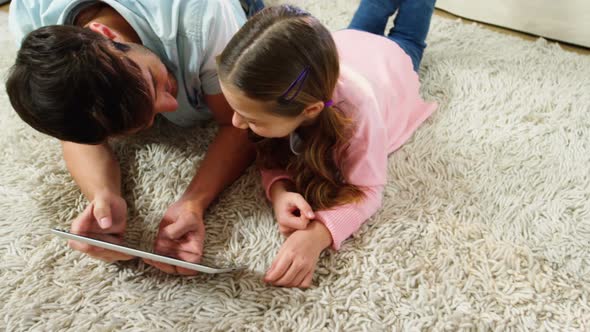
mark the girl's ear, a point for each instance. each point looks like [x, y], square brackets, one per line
[105, 31]
[313, 110]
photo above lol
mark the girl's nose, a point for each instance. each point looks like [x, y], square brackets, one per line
[238, 122]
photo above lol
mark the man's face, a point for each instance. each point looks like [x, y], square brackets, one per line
[160, 81]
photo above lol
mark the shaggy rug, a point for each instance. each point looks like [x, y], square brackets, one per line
[485, 223]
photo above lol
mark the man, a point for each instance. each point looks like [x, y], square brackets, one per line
[90, 70]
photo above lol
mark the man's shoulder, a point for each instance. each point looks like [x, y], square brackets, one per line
[194, 8]
[50, 11]
[28, 15]
[211, 9]
[199, 17]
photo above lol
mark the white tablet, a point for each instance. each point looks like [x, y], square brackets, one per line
[86, 238]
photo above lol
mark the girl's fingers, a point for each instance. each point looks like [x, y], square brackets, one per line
[298, 280]
[289, 275]
[304, 208]
[306, 283]
[277, 269]
[293, 222]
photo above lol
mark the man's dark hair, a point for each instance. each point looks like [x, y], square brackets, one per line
[70, 83]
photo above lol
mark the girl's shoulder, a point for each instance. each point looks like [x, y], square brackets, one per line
[352, 43]
[355, 97]
[376, 57]
[353, 91]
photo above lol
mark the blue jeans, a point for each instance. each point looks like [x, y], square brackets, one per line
[251, 7]
[410, 26]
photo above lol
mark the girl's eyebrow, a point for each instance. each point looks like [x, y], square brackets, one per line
[245, 117]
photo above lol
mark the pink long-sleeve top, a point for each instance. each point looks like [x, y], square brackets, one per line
[379, 90]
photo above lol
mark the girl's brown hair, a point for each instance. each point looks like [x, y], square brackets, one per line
[263, 60]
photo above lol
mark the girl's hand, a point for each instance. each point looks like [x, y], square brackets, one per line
[297, 258]
[292, 212]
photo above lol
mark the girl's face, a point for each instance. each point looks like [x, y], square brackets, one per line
[256, 115]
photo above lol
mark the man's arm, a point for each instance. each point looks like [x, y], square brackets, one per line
[93, 167]
[228, 156]
[97, 173]
[231, 152]
[182, 232]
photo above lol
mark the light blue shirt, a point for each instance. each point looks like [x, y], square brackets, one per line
[187, 35]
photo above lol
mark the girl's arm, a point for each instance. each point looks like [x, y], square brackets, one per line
[342, 221]
[273, 180]
[364, 164]
[364, 167]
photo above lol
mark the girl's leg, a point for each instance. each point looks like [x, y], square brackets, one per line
[372, 15]
[411, 27]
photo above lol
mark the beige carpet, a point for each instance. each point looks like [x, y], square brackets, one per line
[485, 223]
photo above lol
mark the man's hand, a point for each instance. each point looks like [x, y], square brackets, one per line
[296, 261]
[292, 212]
[105, 216]
[182, 231]
[181, 235]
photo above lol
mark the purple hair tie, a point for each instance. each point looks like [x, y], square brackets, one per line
[328, 103]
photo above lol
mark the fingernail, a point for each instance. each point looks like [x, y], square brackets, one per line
[104, 222]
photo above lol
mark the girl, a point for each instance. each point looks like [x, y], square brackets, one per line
[328, 108]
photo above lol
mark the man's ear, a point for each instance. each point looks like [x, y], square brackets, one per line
[105, 31]
[313, 110]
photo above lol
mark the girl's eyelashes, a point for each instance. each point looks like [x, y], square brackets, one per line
[250, 121]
